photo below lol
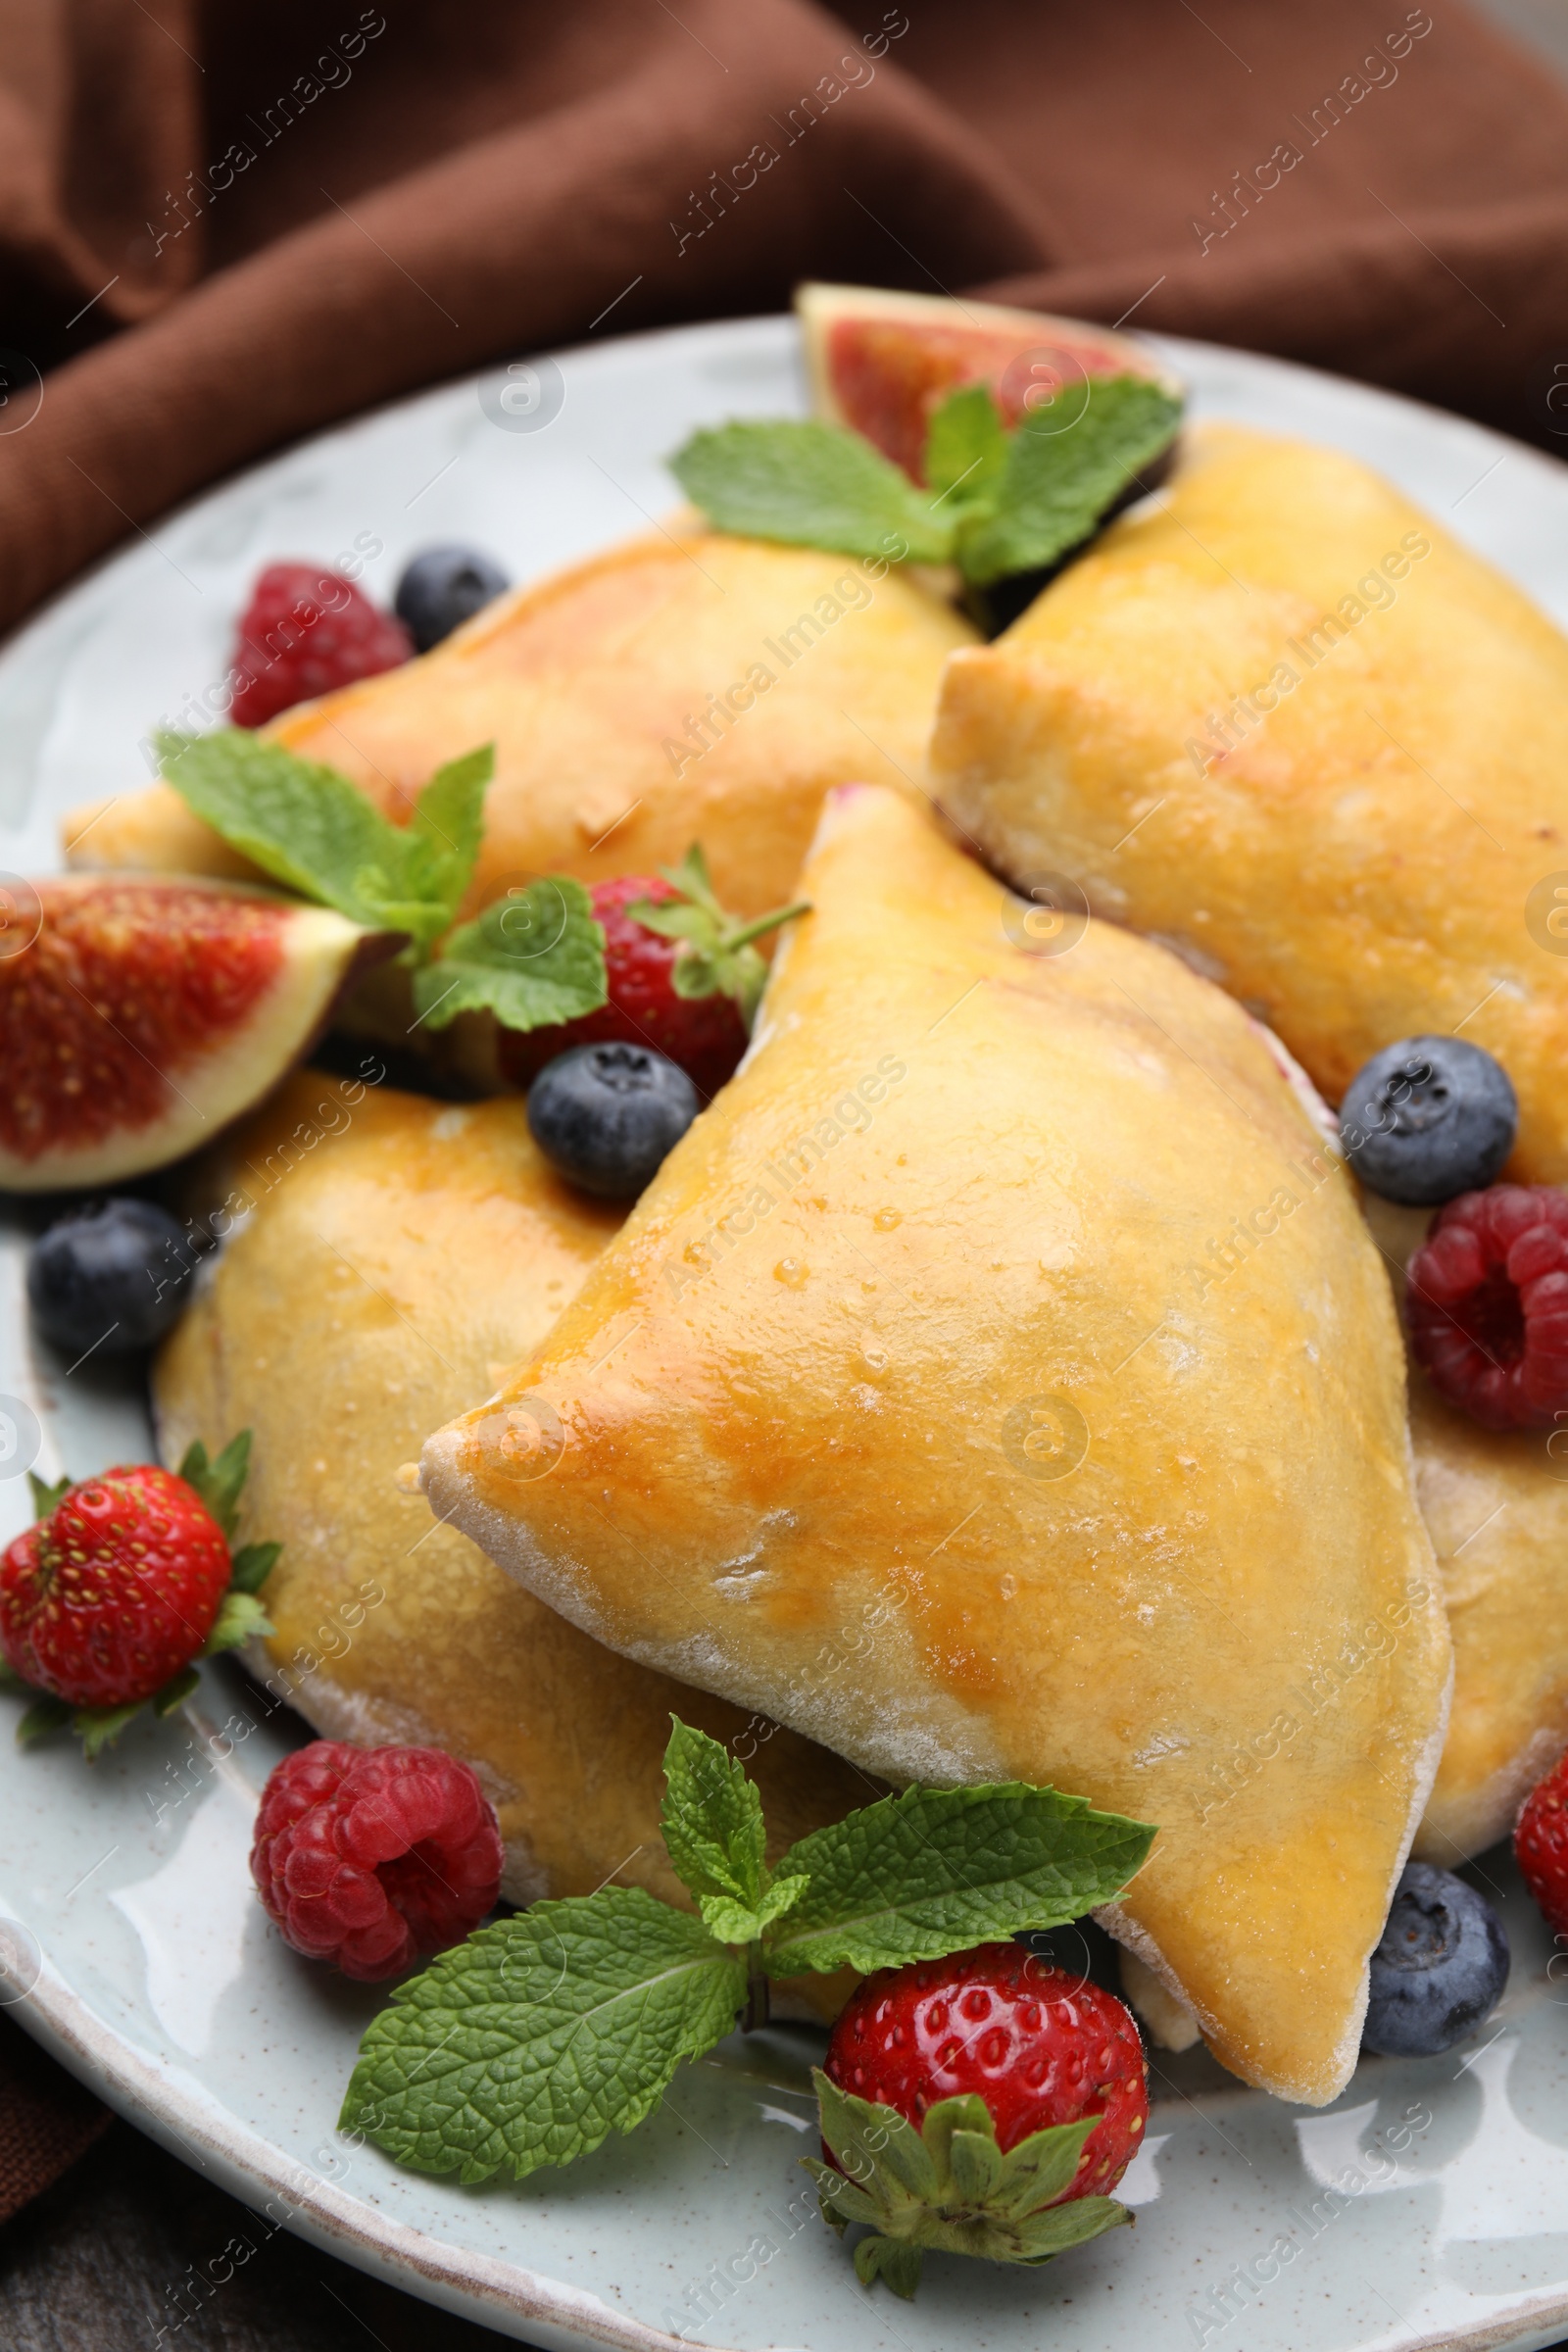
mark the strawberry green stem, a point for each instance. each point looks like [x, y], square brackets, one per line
[747, 932]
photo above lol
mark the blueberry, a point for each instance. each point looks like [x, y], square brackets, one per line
[1427, 1120]
[606, 1115]
[440, 588]
[112, 1277]
[1439, 1969]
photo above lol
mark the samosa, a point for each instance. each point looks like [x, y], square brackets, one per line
[380, 1251]
[679, 687]
[998, 1381]
[1280, 720]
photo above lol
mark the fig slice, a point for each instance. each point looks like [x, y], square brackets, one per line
[883, 362]
[141, 1012]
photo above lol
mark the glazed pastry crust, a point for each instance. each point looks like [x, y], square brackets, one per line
[585, 683]
[999, 1380]
[389, 1254]
[1286, 724]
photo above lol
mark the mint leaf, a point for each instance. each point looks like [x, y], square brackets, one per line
[304, 824]
[446, 830]
[743, 1923]
[965, 449]
[534, 2040]
[310, 828]
[532, 959]
[1070, 460]
[219, 1484]
[712, 1818]
[240, 1616]
[933, 1870]
[811, 485]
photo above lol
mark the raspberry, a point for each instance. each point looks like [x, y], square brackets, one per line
[1037, 2046]
[1540, 1846]
[106, 1600]
[1487, 1305]
[705, 1034]
[304, 631]
[370, 1857]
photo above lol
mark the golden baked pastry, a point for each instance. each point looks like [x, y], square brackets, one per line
[1283, 723]
[385, 1251]
[1495, 1502]
[998, 1381]
[678, 687]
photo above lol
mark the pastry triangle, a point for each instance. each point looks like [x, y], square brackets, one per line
[1280, 720]
[999, 1380]
[384, 1249]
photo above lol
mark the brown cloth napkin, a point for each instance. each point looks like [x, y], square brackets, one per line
[237, 224]
[47, 2120]
[222, 227]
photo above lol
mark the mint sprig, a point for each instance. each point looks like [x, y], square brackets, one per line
[310, 828]
[997, 501]
[220, 1483]
[531, 2043]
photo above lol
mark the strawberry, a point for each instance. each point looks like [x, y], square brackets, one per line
[306, 630]
[1010, 2096]
[121, 1584]
[682, 977]
[1540, 1846]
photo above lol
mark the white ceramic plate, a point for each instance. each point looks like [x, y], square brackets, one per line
[1428, 2208]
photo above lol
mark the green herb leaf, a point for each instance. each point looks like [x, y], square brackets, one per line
[532, 959]
[712, 1818]
[534, 2040]
[1070, 460]
[811, 485]
[933, 1870]
[11, 1680]
[743, 1923]
[965, 449]
[47, 1497]
[446, 830]
[219, 1484]
[251, 1565]
[240, 1616]
[308, 828]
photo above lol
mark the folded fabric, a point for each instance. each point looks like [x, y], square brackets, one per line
[288, 224]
